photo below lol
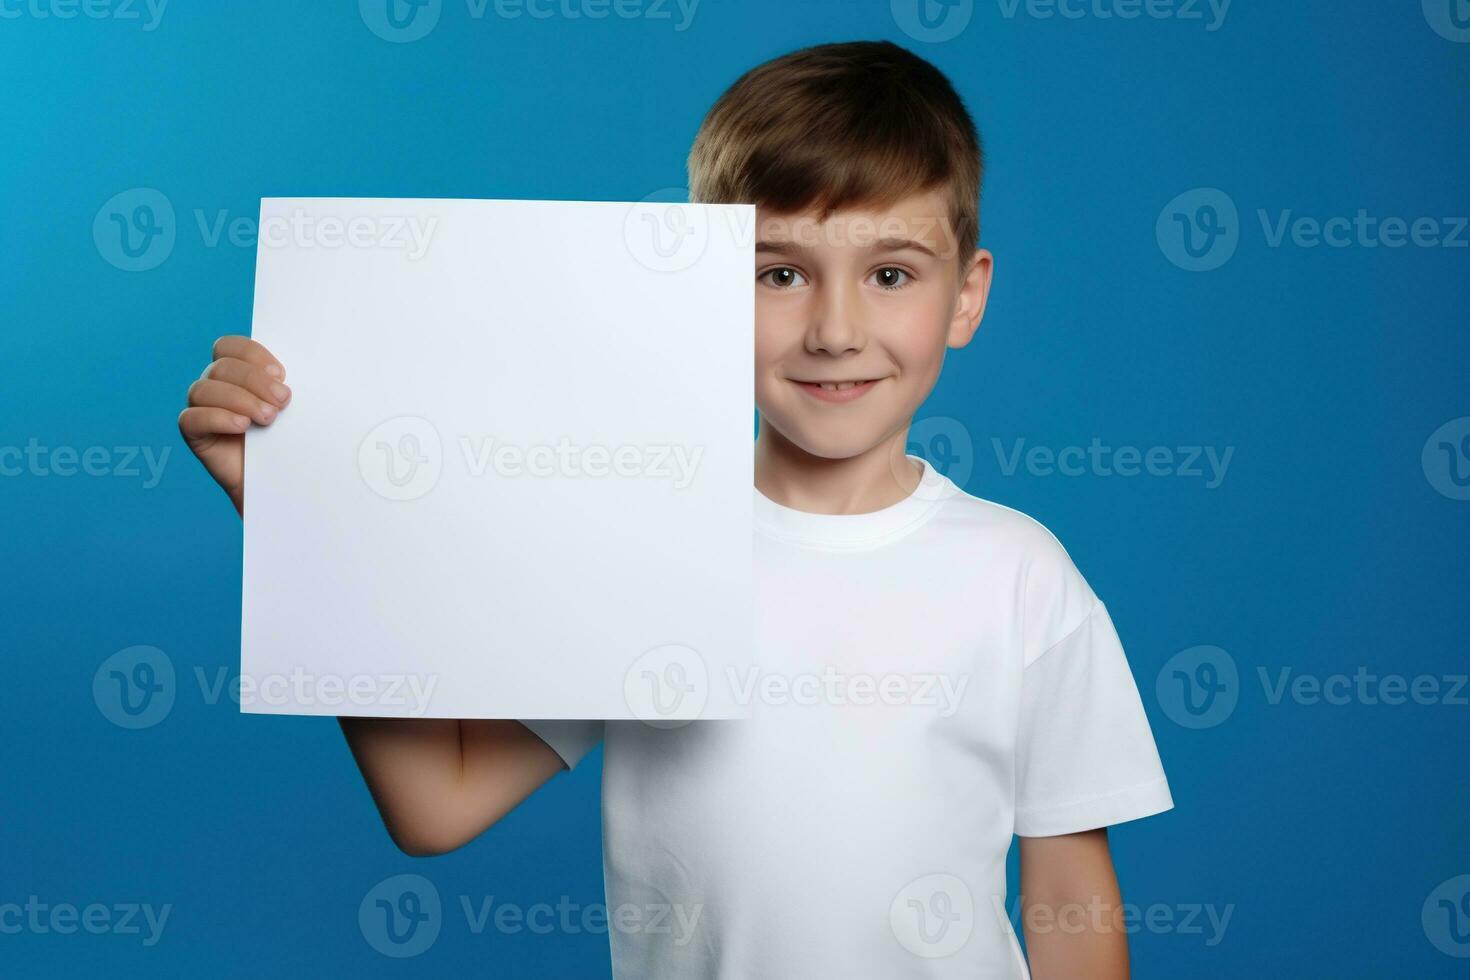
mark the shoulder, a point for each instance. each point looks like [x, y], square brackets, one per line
[1052, 597]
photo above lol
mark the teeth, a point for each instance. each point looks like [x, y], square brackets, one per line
[838, 385]
[845, 385]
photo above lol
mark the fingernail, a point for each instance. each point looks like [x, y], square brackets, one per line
[267, 413]
[280, 393]
[274, 370]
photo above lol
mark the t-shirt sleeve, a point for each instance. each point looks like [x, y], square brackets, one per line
[1085, 756]
[569, 739]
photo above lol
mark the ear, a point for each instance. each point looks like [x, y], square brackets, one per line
[970, 303]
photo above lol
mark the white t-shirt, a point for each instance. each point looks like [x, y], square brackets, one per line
[931, 679]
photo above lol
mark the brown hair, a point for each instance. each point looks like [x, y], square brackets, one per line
[862, 123]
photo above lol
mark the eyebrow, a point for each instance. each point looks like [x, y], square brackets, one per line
[783, 247]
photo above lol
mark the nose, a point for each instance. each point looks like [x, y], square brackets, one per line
[836, 325]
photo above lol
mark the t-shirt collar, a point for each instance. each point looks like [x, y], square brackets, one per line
[855, 532]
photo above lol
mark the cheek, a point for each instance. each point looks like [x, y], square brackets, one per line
[774, 332]
[767, 348]
[916, 335]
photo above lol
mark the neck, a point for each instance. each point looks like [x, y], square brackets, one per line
[871, 480]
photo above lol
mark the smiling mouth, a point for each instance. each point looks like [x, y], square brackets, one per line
[837, 391]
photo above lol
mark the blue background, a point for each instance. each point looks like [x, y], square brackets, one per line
[1325, 549]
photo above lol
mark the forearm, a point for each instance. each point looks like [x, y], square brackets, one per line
[438, 783]
[1072, 908]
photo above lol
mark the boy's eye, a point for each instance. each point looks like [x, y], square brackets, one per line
[891, 277]
[783, 277]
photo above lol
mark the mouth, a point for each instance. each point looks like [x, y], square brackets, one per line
[837, 391]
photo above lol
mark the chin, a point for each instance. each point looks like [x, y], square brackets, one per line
[827, 441]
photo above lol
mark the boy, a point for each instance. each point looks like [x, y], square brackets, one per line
[963, 684]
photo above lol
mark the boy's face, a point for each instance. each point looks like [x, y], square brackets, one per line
[852, 318]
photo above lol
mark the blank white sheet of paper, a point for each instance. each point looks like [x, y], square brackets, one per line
[514, 479]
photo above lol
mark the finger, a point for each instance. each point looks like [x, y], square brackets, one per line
[209, 393]
[198, 423]
[252, 378]
[249, 350]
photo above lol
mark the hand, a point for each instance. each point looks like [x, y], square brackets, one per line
[243, 384]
